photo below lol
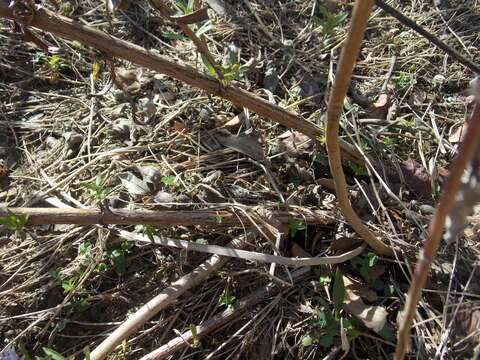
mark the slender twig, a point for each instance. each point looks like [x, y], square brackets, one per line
[465, 153]
[434, 40]
[335, 105]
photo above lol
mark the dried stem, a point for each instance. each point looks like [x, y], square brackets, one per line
[219, 217]
[465, 153]
[335, 105]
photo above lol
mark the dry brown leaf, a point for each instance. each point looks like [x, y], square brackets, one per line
[297, 143]
[467, 322]
[457, 135]
[379, 109]
[179, 126]
[246, 144]
[374, 317]
[417, 178]
[418, 97]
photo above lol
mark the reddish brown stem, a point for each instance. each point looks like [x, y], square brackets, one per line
[450, 190]
[344, 71]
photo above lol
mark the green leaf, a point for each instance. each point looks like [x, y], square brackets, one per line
[209, 66]
[388, 334]
[372, 259]
[53, 354]
[307, 340]
[84, 248]
[170, 180]
[389, 289]
[321, 318]
[55, 273]
[327, 339]
[174, 36]
[196, 338]
[86, 352]
[324, 279]
[69, 285]
[338, 291]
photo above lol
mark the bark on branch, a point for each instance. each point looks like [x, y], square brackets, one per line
[220, 218]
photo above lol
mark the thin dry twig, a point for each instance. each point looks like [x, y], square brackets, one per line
[465, 153]
[199, 43]
[335, 105]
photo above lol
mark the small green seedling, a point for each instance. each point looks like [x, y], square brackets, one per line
[364, 265]
[118, 257]
[55, 64]
[227, 299]
[404, 80]
[54, 355]
[328, 21]
[327, 322]
[97, 190]
[14, 222]
[357, 170]
[196, 338]
[295, 225]
[170, 180]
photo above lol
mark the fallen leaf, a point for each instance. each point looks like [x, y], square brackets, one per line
[163, 197]
[457, 135]
[374, 317]
[218, 6]
[246, 144]
[297, 143]
[237, 120]
[467, 322]
[128, 80]
[379, 109]
[179, 126]
[418, 97]
[417, 178]
[133, 184]
[270, 81]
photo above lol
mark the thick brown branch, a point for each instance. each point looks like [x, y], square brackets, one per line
[46, 20]
[220, 218]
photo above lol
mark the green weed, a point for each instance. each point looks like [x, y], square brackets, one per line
[328, 21]
[227, 299]
[295, 225]
[97, 190]
[328, 320]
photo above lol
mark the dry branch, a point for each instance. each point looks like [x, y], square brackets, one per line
[47, 20]
[335, 105]
[218, 218]
[465, 154]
